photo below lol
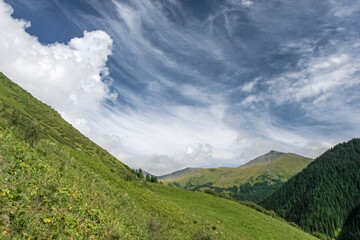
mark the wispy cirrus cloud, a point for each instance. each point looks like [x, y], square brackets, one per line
[166, 85]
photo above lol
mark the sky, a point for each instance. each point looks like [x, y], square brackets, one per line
[164, 85]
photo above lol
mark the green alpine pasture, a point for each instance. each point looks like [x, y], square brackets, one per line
[281, 168]
[251, 182]
[229, 219]
[57, 184]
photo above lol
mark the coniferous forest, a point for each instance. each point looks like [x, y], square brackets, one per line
[324, 196]
[351, 227]
[245, 192]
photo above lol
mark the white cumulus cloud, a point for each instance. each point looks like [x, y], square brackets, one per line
[66, 76]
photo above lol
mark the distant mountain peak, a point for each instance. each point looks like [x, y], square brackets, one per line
[178, 173]
[264, 159]
[273, 151]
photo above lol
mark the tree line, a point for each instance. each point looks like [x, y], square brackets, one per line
[148, 178]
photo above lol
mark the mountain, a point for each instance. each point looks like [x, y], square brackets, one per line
[57, 184]
[323, 195]
[253, 181]
[178, 173]
[264, 159]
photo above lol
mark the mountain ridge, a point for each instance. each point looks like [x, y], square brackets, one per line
[263, 159]
[178, 173]
[260, 177]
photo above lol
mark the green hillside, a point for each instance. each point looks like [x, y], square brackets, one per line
[323, 195]
[254, 181]
[177, 173]
[229, 219]
[57, 184]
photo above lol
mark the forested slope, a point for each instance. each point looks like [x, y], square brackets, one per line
[351, 228]
[321, 197]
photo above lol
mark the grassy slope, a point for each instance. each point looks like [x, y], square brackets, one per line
[56, 183]
[230, 219]
[178, 173]
[282, 168]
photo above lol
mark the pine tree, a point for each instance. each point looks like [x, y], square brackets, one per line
[140, 174]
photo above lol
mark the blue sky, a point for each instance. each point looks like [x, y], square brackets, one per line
[165, 85]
